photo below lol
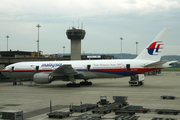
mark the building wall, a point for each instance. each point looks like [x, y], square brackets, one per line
[75, 49]
[1, 67]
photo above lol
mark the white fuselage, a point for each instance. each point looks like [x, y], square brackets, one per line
[94, 68]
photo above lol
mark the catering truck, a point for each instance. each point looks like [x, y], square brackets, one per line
[136, 80]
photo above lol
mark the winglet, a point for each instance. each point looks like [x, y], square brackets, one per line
[154, 50]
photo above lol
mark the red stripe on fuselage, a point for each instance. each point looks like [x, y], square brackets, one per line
[134, 70]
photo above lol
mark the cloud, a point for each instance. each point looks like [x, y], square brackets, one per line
[26, 9]
[105, 21]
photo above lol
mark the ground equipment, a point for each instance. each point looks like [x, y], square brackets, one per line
[167, 97]
[59, 114]
[103, 100]
[136, 80]
[167, 111]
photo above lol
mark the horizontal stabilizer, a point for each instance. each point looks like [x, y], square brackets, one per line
[156, 63]
[161, 64]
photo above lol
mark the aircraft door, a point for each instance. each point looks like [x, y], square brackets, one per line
[128, 67]
[12, 69]
[88, 68]
[37, 69]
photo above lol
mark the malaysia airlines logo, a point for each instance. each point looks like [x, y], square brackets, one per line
[154, 48]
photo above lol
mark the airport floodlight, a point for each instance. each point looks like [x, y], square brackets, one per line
[63, 50]
[121, 46]
[7, 41]
[136, 48]
[38, 40]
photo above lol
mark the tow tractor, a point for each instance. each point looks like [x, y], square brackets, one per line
[136, 80]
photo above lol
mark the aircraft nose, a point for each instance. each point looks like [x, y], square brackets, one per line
[5, 72]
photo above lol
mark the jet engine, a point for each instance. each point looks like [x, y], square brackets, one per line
[42, 78]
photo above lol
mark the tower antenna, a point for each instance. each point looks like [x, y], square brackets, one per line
[81, 25]
[73, 23]
[78, 23]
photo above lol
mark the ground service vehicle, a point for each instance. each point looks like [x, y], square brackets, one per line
[136, 80]
[103, 100]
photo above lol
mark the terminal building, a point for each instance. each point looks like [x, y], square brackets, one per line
[15, 54]
[91, 57]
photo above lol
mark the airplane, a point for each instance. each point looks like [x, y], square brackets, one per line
[45, 72]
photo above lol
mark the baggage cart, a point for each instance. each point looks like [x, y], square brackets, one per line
[126, 117]
[124, 112]
[83, 107]
[167, 97]
[101, 110]
[159, 118]
[137, 109]
[59, 115]
[167, 111]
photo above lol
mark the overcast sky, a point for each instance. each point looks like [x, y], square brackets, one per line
[104, 21]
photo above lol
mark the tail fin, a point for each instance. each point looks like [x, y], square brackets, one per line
[154, 50]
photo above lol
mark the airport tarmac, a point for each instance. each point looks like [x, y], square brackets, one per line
[34, 101]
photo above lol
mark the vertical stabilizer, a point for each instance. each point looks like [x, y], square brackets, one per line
[154, 50]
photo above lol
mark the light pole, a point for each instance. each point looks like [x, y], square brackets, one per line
[63, 50]
[38, 39]
[7, 41]
[136, 48]
[121, 46]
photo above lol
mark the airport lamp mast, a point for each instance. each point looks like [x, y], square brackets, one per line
[38, 39]
[7, 41]
[63, 50]
[136, 48]
[121, 46]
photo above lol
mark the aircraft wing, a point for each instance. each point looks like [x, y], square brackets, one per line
[161, 63]
[64, 70]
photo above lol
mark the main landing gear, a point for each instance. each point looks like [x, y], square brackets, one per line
[85, 83]
[73, 83]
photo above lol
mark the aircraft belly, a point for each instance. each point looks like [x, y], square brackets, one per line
[20, 75]
[107, 75]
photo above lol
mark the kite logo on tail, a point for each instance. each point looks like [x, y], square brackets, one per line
[154, 48]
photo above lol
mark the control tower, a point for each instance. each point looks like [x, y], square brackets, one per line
[75, 35]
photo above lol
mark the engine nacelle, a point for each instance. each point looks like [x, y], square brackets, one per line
[42, 78]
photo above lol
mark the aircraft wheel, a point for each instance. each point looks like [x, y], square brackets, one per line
[82, 83]
[85, 83]
[89, 83]
[14, 83]
[73, 85]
